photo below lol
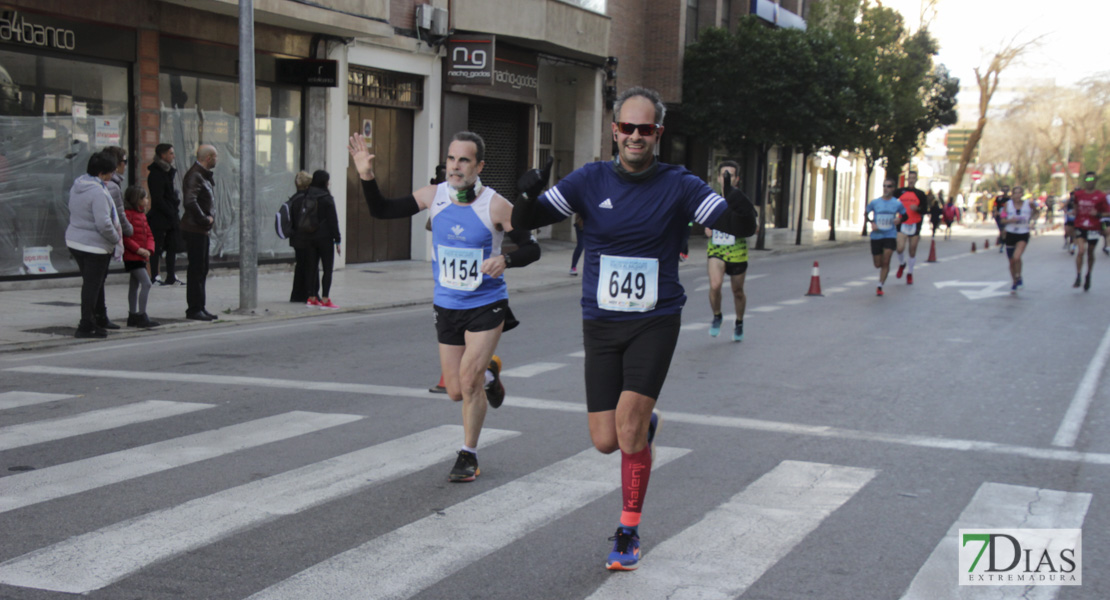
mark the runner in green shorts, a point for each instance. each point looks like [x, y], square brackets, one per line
[727, 255]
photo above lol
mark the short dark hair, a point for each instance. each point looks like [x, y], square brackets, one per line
[132, 196]
[470, 136]
[102, 162]
[728, 163]
[161, 149]
[651, 95]
[911, 171]
[119, 153]
[320, 179]
[1091, 173]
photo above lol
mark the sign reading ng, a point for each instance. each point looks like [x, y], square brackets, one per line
[470, 59]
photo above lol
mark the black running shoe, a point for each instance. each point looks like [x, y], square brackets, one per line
[495, 391]
[466, 468]
[1078, 281]
[1087, 282]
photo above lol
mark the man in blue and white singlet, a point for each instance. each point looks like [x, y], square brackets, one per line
[885, 215]
[636, 211]
[471, 302]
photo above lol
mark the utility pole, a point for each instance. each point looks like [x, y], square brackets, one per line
[248, 223]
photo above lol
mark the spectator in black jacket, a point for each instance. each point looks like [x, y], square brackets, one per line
[316, 228]
[164, 217]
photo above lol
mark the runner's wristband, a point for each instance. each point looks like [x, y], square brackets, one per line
[527, 252]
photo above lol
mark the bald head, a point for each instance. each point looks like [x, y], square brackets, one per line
[207, 156]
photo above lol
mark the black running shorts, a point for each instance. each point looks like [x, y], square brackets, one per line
[732, 269]
[452, 324]
[1013, 238]
[878, 245]
[629, 356]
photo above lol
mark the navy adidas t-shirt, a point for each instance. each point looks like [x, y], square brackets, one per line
[632, 236]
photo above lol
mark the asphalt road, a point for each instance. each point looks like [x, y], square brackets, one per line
[834, 453]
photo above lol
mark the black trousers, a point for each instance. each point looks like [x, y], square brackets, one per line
[319, 251]
[165, 240]
[94, 270]
[299, 294]
[196, 248]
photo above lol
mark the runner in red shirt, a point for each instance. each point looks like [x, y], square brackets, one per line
[1090, 207]
[915, 202]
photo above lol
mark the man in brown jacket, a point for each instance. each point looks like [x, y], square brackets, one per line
[198, 191]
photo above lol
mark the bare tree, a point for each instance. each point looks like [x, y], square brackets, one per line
[988, 84]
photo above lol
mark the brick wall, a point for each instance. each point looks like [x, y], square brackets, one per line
[147, 102]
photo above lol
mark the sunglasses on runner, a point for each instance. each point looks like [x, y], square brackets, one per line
[643, 128]
[1088, 179]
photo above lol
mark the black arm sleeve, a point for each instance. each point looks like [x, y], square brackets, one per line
[384, 208]
[527, 251]
[739, 218]
[529, 214]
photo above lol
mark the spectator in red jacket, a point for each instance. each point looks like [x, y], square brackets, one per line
[137, 249]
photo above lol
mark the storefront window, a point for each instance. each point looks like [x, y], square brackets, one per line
[54, 113]
[200, 110]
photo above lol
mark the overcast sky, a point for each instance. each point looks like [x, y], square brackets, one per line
[1076, 41]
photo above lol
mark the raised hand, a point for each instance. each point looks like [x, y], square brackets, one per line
[364, 161]
[533, 182]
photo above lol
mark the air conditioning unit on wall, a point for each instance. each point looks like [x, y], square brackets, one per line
[431, 19]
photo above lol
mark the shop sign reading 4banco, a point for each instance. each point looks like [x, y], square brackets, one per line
[15, 28]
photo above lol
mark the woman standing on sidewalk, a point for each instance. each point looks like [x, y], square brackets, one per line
[317, 229]
[92, 236]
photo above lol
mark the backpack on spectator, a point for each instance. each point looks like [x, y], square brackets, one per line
[309, 221]
[283, 221]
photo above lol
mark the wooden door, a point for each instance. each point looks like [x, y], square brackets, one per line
[390, 140]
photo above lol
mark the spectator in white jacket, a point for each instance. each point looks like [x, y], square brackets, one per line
[93, 236]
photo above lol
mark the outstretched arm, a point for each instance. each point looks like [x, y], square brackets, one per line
[380, 206]
[527, 212]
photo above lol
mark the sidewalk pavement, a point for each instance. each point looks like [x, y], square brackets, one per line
[44, 314]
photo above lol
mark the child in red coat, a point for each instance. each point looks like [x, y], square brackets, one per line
[137, 249]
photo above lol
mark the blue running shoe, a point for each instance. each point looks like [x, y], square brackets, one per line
[715, 327]
[626, 551]
[738, 333]
[1021, 283]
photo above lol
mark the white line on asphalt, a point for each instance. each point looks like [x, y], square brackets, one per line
[760, 309]
[41, 485]
[102, 347]
[997, 506]
[36, 432]
[94, 560]
[531, 369]
[17, 399]
[405, 561]
[937, 443]
[1069, 429]
[579, 354]
[836, 290]
[763, 523]
[794, 302]
[856, 283]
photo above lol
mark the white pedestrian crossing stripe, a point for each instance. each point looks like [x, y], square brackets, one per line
[531, 369]
[94, 560]
[997, 506]
[25, 434]
[41, 485]
[764, 522]
[405, 561]
[17, 399]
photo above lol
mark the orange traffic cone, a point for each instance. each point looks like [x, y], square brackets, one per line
[932, 252]
[986, 243]
[438, 388]
[972, 247]
[815, 282]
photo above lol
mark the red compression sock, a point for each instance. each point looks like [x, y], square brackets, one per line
[635, 472]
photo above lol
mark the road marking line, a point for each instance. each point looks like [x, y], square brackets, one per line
[1068, 432]
[405, 561]
[99, 558]
[794, 302]
[532, 369]
[37, 432]
[856, 283]
[919, 441]
[17, 399]
[997, 506]
[71, 478]
[836, 290]
[579, 354]
[764, 309]
[765, 521]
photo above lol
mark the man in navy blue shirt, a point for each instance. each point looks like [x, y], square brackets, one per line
[635, 211]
